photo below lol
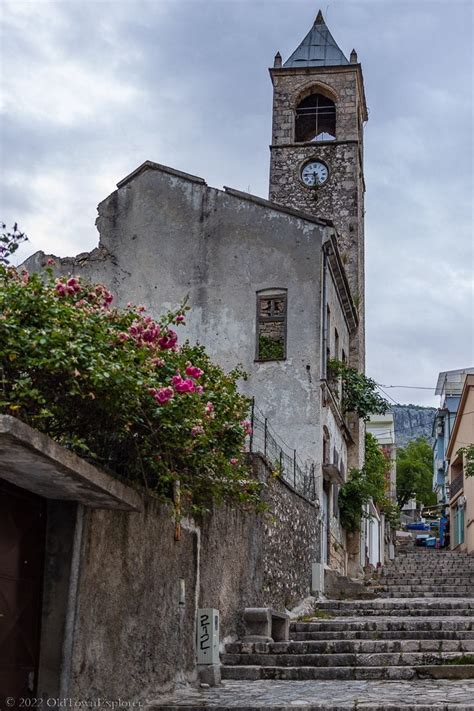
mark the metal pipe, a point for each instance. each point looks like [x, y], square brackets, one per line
[252, 421]
[265, 438]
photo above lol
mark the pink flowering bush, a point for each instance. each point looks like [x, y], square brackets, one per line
[119, 388]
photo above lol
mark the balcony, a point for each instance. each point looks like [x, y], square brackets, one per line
[456, 485]
[334, 471]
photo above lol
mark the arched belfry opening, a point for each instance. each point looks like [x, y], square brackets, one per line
[315, 119]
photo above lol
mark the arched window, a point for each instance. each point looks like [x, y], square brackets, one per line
[315, 119]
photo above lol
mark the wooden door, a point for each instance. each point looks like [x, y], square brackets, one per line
[22, 537]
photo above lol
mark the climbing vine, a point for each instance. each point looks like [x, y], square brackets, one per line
[359, 393]
[468, 452]
[364, 485]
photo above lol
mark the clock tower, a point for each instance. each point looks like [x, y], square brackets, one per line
[316, 166]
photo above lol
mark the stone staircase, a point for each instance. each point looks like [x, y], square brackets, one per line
[421, 626]
[427, 573]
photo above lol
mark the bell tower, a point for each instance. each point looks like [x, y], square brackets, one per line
[316, 163]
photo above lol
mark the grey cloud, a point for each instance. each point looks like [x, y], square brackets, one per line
[186, 84]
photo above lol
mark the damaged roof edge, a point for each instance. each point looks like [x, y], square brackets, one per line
[151, 165]
[276, 206]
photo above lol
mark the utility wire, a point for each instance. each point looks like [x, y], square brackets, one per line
[387, 395]
[407, 387]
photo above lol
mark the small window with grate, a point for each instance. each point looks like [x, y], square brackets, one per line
[271, 325]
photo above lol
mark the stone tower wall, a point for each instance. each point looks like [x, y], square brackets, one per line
[341, 199]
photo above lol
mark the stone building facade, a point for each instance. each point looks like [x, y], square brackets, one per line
[276, 286]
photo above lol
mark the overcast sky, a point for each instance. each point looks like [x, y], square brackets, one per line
[91, 89]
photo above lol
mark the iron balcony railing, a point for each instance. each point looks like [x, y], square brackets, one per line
[456, 485]
[281, 458]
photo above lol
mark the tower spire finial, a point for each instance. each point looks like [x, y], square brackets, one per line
[319, 18]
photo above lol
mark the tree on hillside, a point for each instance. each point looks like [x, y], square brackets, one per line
[415, 473]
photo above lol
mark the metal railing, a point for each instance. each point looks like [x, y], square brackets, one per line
[456, 485]
[281, 458]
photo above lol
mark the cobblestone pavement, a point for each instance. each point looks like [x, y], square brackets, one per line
[432, 695]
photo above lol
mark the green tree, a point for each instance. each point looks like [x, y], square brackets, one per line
[359, 393]
[363, 485]
[415, 473]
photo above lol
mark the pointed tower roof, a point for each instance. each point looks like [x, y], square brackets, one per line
[318, 49]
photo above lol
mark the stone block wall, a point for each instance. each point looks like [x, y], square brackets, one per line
[135, 632]
[341, 199]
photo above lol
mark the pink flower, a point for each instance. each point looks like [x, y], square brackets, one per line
[234, 461]
[123, 336]
[169, 340]
[51, 262]
[25, 277]
[73, 285]
[247, 426]
[209, 408]
[199, 389]
[184, 386]
[151, 333]
[194, 372]
[179, 318]
[157, 362]
[163, 395]
[197, 430]
[60, 288]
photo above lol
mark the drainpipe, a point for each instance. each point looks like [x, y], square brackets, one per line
[71, 613]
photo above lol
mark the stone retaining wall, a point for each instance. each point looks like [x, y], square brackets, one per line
[134, 626]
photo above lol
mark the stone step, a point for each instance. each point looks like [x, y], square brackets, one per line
[388, 593]
[433, 553]
[424, 590]
[377, 659]
[396, 580]
[395, 606]
[426, 554]
[421, 571]
[398, 635]
[418, 571]
[350, 646]
[383, 624]
[441, 671]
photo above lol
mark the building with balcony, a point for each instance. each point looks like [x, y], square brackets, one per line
[461, 487]
[449, 388]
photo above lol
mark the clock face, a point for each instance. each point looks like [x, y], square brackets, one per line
[314, 174]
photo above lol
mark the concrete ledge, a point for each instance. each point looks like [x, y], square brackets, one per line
[33, 461]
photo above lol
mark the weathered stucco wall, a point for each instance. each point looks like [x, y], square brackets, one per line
[133, 638]
[165, 236]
